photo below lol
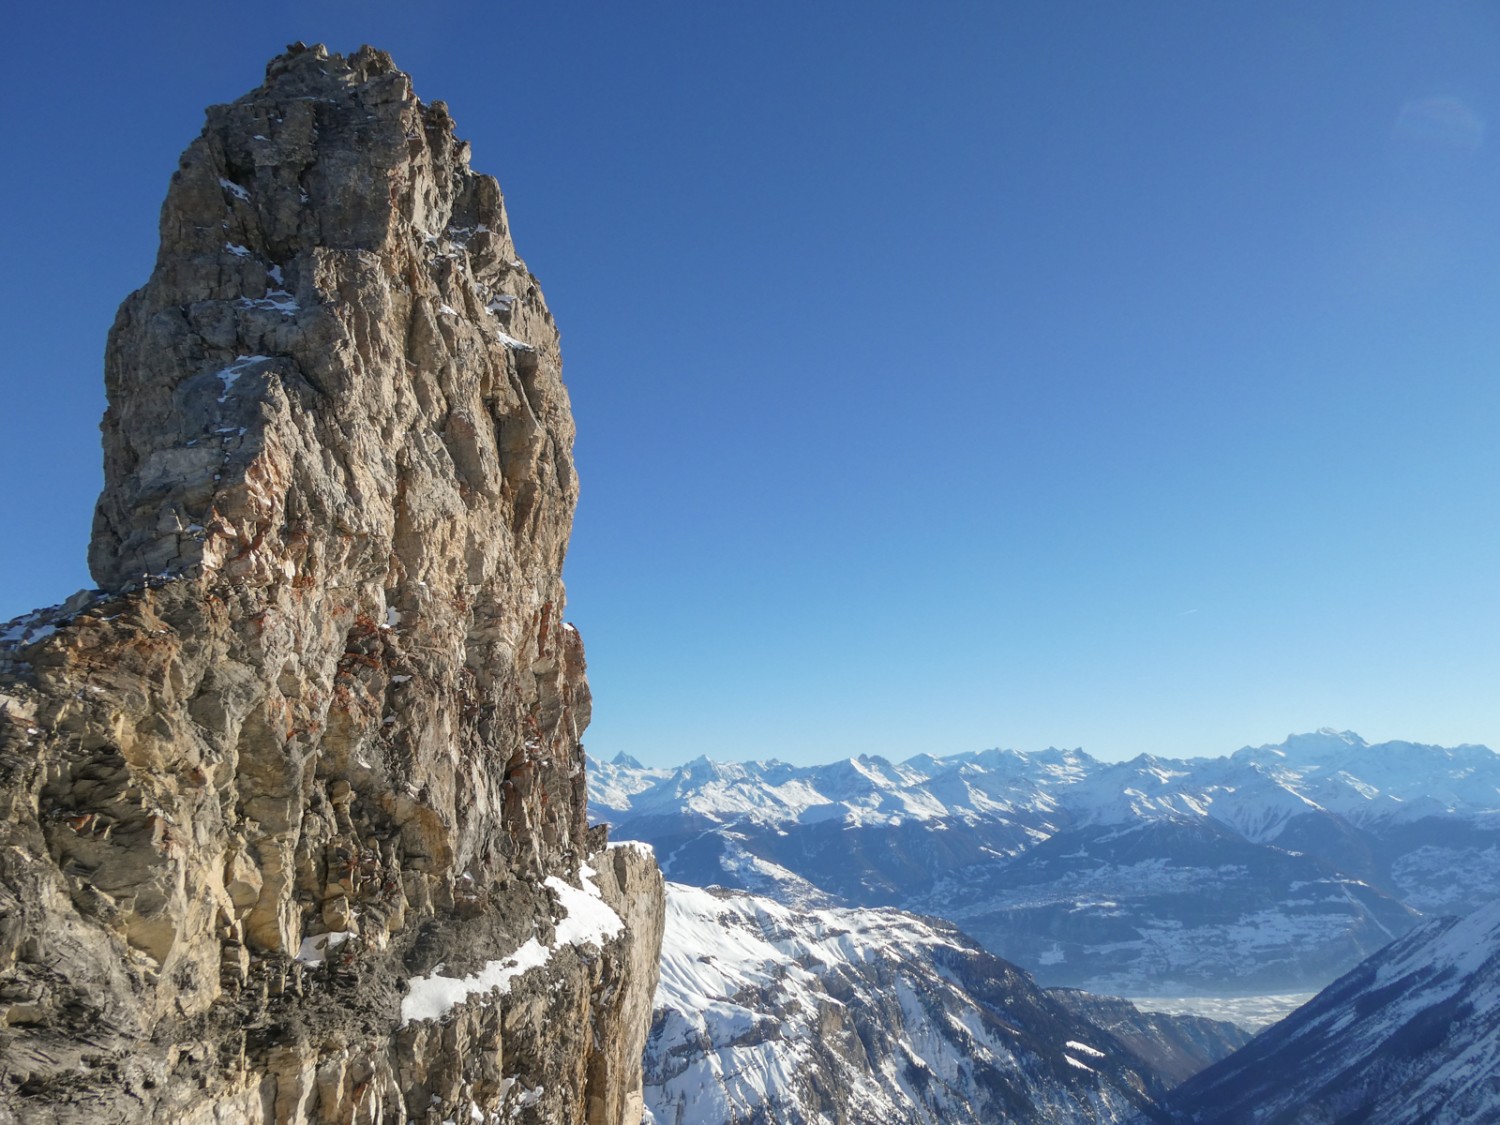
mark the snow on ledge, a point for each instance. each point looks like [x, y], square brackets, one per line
[241, 364]
[633, 845]
[315, 949]
[587, 920]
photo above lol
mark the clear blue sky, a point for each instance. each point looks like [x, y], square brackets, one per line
[947, 375]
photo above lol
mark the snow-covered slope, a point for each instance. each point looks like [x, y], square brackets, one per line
[1276, 868]
[1411, 1035]
[769, 1014]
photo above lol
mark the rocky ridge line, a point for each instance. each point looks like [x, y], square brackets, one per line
[318, 733]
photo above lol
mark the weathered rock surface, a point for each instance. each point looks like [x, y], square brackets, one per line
[317, 735]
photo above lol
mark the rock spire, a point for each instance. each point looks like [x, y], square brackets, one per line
[313, 749]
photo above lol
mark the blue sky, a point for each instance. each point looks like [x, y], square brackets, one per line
[947, 376]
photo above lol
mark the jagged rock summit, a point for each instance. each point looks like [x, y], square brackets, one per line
[292, 809]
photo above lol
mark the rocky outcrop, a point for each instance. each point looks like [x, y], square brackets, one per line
[314, 746]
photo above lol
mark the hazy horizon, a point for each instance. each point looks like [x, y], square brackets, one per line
[1097, 755]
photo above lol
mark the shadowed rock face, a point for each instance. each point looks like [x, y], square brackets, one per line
[325, 687]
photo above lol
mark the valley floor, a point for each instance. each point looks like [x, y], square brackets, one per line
[1253, 1013]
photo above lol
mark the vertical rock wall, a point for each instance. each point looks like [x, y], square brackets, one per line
[317, 736]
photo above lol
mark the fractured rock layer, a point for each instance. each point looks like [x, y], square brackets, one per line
[318, 732]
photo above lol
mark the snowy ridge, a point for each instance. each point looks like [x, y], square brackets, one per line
[765, 1013]
[1254, 790]
[860, 791]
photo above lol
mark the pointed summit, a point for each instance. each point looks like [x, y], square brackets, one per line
[318, 739]
[340, 371]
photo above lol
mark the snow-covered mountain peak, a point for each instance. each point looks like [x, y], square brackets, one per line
[1324, 740]
[1256, 789]
[703, 768]
[1313, 748]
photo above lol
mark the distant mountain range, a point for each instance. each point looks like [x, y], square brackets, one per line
[1411, 1035]
[1274, 869]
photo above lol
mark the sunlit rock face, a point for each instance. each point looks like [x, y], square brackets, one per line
[317, 737]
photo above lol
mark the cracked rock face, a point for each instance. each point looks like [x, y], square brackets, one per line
[317, 735]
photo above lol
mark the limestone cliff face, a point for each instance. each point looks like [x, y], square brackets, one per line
[316, 739]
